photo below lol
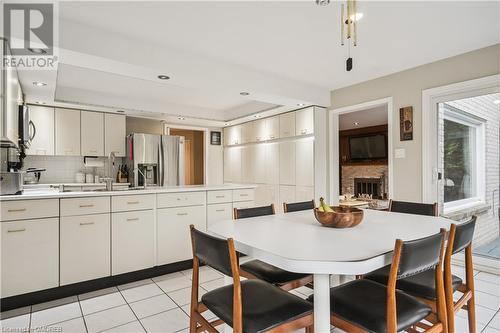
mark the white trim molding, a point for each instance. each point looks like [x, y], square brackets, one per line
[430, 99]
[334, 142]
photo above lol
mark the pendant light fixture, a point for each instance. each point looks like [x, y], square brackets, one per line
[348, 30]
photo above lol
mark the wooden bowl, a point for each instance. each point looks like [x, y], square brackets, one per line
[341, 217]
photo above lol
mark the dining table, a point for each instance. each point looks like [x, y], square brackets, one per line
[298, 243]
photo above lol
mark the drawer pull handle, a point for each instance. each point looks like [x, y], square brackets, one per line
[87, 206]
[133, 219]
[17, 210]
[178, 199]
[220, 196]
[86, 223]
[182, 214]
[132, 202]
[17, 230]
[220, 210]
[244, 195]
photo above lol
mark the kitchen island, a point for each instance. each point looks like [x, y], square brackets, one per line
[57, 244]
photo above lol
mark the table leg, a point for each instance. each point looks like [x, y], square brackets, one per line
[321, 303]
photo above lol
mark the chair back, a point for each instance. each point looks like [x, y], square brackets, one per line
[464, 233]
[420, 255]
[211, 251]
[413, 208]
[298, 206]
[253, 212]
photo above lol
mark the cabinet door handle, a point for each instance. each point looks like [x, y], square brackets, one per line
[179, 199]
[220, 210]
[244, 195]
[220, 196]
[16, 210]
[182, 214]
[133, 219]
[86, 223]
[17, 230]
[132, 202]
[87, 206]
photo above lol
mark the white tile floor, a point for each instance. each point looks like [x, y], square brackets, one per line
[162, 305]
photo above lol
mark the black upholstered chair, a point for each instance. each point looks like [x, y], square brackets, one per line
[413, 208]
[423, 285]
[256, 269]
[298, 206]
[368, 306]
[246, 306]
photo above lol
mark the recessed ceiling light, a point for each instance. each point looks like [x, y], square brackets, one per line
[163, 77]
[496, 101]
[356, 123]
[39, 84]
[120, 111]
[300, 104]
[37, 51]
[181, 118]
[38, 102]
[244, 93]
[226, 124]
[257, 116]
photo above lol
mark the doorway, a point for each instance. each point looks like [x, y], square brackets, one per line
[194, 155]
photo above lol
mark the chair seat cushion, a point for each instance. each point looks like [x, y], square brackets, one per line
[364, 304]
[270, 273]
[422, 284]
[264, 306]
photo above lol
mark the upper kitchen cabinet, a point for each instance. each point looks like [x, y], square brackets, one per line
[232, 135]
[273, 128]
[114, 134]
[43, 142]
[304, 162]
[304, 121]
[287, 124]
[92, 126]
[247, 134]
[260, 130]
[67, 132]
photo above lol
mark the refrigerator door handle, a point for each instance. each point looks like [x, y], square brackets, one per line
[161, 167]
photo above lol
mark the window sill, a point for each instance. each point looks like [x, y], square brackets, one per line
[466, 211]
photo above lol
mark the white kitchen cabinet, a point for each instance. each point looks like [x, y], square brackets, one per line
[247, 164]
[287, 124]
[84, 206]
[219, 212]
[260, 130]
[260, 162]
[304, 193]
[220, 196]
[227, 165]
[181, 199]
[132, 241]
[114, 134]
[304, 162]
[43, 142]
[287, 163]
[245, 194]
[92, 133]
[272, 128]
[304, 121]
[287, 194]
[124, 203]
[247, 134]
[85, 248]
[174, 240]
[28, 209]
[232, 167]
[266, 195]
[232, 135]
[272, 163]
[30, 256]
[67, 132]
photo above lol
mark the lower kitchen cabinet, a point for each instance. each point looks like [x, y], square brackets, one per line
[30, 256]
[85, 248]
[132, 241]
[174, 239]
[219, 212]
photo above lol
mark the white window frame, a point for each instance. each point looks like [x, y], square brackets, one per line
[478, 159]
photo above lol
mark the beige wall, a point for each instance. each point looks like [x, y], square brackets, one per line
[144, 125]
[406, 89]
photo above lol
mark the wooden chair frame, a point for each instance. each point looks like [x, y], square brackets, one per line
[198, 323]
[285, 206]
[285, 286]
[439, 325]
[236, 215]
[466, 301]
[435, 208]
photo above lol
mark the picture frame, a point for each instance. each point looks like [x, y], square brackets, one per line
[406, 123]
[215, 138]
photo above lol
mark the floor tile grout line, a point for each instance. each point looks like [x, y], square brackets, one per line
[83, 317]
[107, 329]
[135, 315]
[491, 319]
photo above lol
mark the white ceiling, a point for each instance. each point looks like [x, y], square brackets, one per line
[283, 53]
[365, 118]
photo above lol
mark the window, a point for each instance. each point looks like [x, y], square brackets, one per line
[463, 159]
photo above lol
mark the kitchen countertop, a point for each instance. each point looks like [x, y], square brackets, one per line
[53, 193]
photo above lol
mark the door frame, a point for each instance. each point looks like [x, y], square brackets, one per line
[334, 143]
[430, 99]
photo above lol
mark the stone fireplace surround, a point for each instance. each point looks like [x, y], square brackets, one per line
[350, 172]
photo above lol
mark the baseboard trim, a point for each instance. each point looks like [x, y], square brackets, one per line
[14, 302]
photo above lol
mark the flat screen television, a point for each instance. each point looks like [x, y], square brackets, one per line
[368, 147]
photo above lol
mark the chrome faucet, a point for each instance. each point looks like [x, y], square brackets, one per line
[111, 171]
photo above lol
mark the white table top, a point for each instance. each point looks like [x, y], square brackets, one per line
[298, 243]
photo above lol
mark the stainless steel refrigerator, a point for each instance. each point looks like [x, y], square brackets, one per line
[155, 160]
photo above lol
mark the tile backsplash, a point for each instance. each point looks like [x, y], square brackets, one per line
[62, 169]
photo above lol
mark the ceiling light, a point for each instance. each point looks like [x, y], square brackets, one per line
[244, 93]
[37, 51]
[257, 116]
[38, 102]
[496, 101]
[39, 84]
[226, 124]
[356, 123]
[300, 104]
[181, 118]
[163, 77]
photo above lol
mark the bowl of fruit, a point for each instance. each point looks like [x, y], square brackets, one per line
[337, 217]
